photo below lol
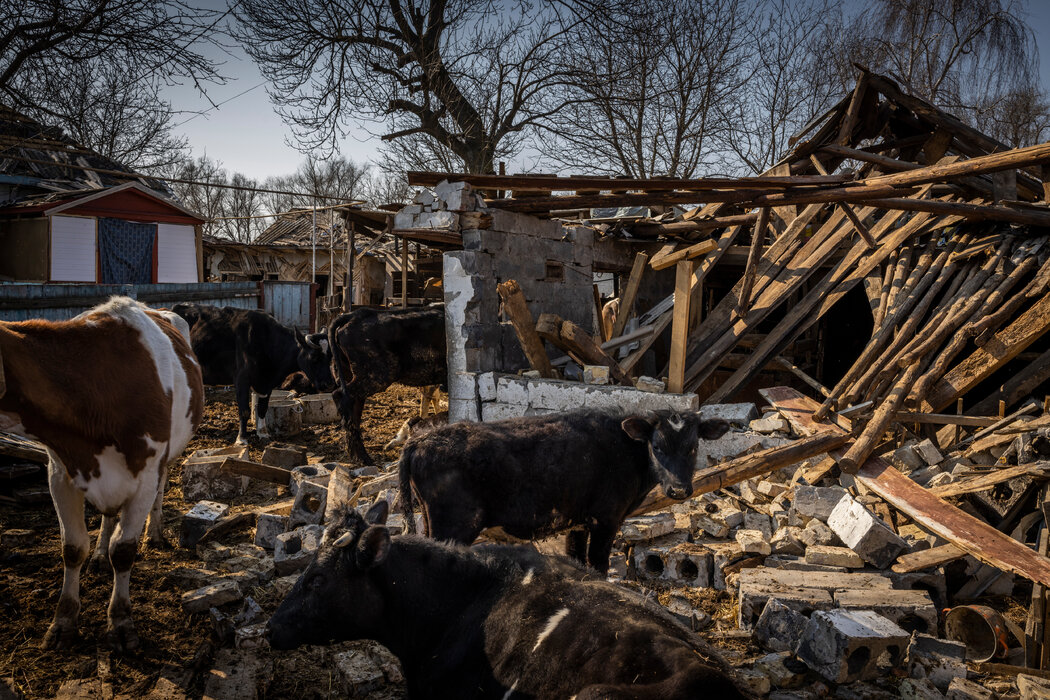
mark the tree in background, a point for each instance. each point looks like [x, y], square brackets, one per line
[94, 68]
[470, 75]
[643, 88]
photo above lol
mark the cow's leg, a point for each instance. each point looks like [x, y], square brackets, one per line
[155, 528]
[100, 558]
[69, 504]
[602, 536]
[243, 391]
[576, 545]
[120, 632]
[262, 406]
[355, 443]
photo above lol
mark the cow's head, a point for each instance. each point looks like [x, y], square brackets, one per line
[672, 441]
[315, 359]
[337, 597]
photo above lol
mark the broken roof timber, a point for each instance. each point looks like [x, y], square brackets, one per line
[573, 183]
[978, 538]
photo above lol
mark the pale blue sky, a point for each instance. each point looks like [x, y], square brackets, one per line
[248, 136]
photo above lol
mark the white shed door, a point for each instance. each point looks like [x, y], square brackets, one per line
[73, 249]
[176, 253]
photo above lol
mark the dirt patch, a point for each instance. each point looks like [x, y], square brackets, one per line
[174, 644]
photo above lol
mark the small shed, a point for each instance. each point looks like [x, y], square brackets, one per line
[125, 234]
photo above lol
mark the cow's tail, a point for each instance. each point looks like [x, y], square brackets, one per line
[404, 468]
[337, 361]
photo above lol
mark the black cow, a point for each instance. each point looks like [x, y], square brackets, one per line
[373, 349]
[475, 623]
[252, 351]
[537, 475]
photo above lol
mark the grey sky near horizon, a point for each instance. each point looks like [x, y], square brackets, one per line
[246, 134]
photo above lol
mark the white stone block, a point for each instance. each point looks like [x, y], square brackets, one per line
[865, 533]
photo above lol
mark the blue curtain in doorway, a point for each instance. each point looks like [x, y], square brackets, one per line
[125, 250]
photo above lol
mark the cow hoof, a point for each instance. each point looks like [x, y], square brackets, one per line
[240, 441]
[100, 565]
[60, 635]
[122, 637]
[159, 543]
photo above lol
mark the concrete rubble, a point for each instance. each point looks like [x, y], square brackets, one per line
[804, 567]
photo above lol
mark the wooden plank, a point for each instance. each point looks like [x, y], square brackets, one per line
[681, 228]
[1036, 470]
[970, 212]
[944, 419]
[754, 252]
[547, 183]
[931, 513]
[630, 294]
[688, 253]
[927, 558]
[748, 467]
[612, 344]
[598, 315]
[256, 470]
[1003, 347]
[884, 162]
[578, 344]
[861, 229]
[852, 116]
[521, 319]
[680, 326]
[991, 163]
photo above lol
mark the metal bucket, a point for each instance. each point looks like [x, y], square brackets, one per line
[980, 628]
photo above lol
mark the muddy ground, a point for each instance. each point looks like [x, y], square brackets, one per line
[174, 644]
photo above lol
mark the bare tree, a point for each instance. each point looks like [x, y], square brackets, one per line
[94, 67]
[953, 53]
[209, 202]
[469, 74]
[336, 177]
[645, 88]
[1018, 118]
[240, 208]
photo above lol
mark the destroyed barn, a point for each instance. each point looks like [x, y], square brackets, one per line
[870, 316]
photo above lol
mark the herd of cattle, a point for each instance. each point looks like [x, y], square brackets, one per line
[117, 392]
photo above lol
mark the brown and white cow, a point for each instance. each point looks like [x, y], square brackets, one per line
[113, 394]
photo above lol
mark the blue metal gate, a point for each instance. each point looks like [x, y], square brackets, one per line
[291, 303]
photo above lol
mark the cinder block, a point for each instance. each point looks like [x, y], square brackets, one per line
[770, 423]
[828, 581]
[753, 542]
[738, 414]
[198, 519]
[912, 611]
[834, 556]
[250, 636]
[779, 626]
[816, 501]
[294, 550]
[267, 527]
[210, 596]
[753, 597]
[928, 452]
[796, 563]
[918, 689]
[937, 660]
[723, 554]
[864, 533]
[284, 456]
[312, 472]
[758, 521]
[770, 489]
[205, 480]
[788, 540]
[782, 669]
[644, 528]
[689, 564]
[817, 533]
[650, 563]
[309, 505]
[850, 645]
[360, 675]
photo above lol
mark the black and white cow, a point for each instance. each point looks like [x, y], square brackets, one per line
[538, 475]
[477, 623]
[254, 352]
[373, 349]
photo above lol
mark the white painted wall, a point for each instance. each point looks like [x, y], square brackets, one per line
[176, 253]
[74, 249]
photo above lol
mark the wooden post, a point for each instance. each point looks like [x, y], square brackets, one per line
[680, 324]
[751, 269]
[862, 230]
[598, 314]
[629, 295]
[404, 272]
[518, 314]
[348, 298]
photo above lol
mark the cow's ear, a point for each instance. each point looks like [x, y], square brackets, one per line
[713, 429]
[373, 547]
[638, 428]
[376, 515]
[299, 337]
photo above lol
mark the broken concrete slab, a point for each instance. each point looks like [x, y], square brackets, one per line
[752, 599]
[788, 540]
[919, 689]
[928, 452]
[644, 528]
[963, 689]
[294, 550]
[237, 675]
[849, 645]
[358, 672]
[753, 542]
[770, 423]
[198, 519]
[736, 414]
[827, 581]
[834, 556]
[283, 455]
[816, 501]
[309, 505]
[911, 610]
[308, 472]
[937, 660]
[267, 527]
[817, 533]
[211, 596]
[864, 533]
[779, 627]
